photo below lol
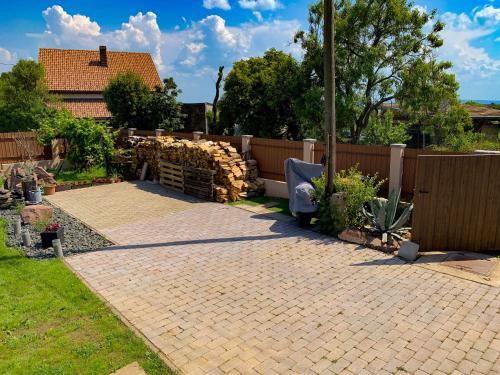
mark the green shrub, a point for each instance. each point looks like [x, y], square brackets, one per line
[356, 189]
[88, 144]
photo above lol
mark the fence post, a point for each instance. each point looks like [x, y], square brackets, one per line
[130, 131]
[308, 145]
[159, 132]
[396, 169]
[197, 136]
[246, 143]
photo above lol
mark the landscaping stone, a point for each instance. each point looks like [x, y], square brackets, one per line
[408, 250]
[78, 237]
[30, 214]
[376, 243]
[354, 236]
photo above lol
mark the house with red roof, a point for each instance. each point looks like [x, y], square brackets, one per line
[79, 77]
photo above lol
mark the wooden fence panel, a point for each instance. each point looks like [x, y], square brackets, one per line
[11, 152]
[271, 155]
[457, 203]
[371, 160]
[410, 167]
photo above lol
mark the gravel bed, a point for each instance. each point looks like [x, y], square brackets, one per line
[78, 238]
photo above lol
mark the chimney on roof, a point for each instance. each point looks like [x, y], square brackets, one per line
[103, 56]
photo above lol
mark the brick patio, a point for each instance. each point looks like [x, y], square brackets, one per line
[220, 290]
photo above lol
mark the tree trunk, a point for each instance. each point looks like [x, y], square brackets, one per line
[329, 72]
[216, 99]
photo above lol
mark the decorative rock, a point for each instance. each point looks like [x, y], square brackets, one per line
[353, 235]
[408, 250]
[26, 238]
[376, 243]
[56, 244]
[17, 227]
[30, 214]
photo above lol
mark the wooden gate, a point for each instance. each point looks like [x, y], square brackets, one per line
[457, 203]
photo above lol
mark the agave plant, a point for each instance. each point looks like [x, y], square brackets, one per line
[382, 216]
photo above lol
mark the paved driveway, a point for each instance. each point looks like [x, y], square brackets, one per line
[222, 290]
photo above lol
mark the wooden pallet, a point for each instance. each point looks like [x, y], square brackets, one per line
[199, 182]
[171, 176]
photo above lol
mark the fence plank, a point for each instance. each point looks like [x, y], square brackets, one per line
[457, 203]
[10, 152]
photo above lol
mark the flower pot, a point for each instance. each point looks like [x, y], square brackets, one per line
[35, 195]
[47, 237]
[49, 189]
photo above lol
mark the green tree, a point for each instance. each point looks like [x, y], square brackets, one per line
[134, 105]
[88, 143]
[259, 94]
[126, 96]
[378, 43]
[24, 97]
[382, 130]
[428, 95]
[162, 110]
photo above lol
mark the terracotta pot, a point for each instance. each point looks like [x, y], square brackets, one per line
[49, 189]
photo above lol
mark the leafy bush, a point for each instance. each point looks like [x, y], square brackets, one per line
[468, 141]
[88, 144]
[356, 190]
[382, 130]
[54, 125]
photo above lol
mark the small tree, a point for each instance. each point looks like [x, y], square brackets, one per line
[23, 97]
[162, 110]
[258, 96]
[126, 97]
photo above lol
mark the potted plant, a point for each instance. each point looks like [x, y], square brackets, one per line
[49, 189]
[52, 232]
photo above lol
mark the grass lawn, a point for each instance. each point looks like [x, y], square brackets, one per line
[50, 323]
[281, 207]
[74, 176]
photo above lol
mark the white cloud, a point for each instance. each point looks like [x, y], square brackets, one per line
[62, 26]
[221, 4]
[260, 4]
[258, 15]
[191, 53]
[489, 14]
[7, 59]
[476, 69]
[140, 33]
[460, 34]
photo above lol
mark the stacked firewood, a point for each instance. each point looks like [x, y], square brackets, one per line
[234, 178]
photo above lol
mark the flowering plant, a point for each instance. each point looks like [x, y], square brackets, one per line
[52, 227]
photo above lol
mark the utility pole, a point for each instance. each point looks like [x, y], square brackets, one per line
[329, 67]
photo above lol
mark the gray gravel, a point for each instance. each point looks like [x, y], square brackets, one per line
[78, 238]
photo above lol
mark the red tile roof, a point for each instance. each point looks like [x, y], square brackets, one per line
[87, 108]
[81, 70]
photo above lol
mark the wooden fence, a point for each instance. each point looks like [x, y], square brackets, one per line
[271, 155]
[19, 146]
[457, 203]
[371, 160]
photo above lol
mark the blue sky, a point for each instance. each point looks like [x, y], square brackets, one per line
[189, 39]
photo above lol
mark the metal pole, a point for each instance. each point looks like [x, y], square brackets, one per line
[329, 73]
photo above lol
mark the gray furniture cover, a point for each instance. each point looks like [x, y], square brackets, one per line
[298, 178]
